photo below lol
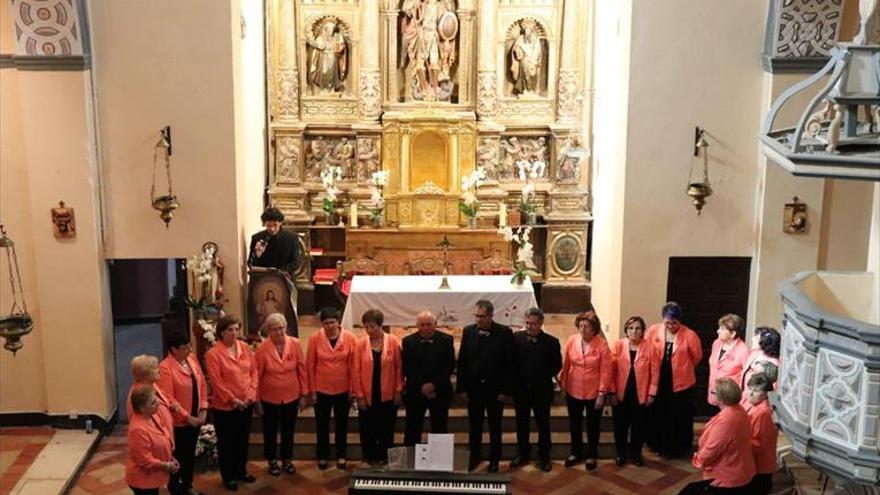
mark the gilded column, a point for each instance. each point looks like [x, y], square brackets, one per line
[569, 67]
[465, 60]
[370, 91]
[286, 102]
[389, 49]
[487, 90]
[405, 139]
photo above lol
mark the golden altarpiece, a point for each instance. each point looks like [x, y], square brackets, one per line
[429, 90]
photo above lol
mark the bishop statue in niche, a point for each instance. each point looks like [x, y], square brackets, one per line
[526, 60]
[428, 47]
[327, 57]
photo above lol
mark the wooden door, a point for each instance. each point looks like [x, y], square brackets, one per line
[708, 288]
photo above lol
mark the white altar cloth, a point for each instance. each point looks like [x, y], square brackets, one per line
[401, 297]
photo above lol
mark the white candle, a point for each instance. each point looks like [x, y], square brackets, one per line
[502, 215]
[353, 215]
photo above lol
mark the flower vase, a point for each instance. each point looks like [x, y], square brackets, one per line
[340, 221]
[379, 220]
[519, 278]
[472, 222]
[330, 218]
[531, 218]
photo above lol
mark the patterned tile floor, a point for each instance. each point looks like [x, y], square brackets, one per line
[18, 449]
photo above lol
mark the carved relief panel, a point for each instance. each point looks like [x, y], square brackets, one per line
[323, 152]
[368, 158]
[522, 148]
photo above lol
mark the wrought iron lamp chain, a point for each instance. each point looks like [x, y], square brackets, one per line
[12, 263]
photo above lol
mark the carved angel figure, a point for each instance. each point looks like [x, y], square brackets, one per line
[429, 46]
[328, 59]
[525, 59]
[487, 158]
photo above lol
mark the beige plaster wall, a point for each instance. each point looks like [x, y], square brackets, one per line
[172, 66]
[710, 78]
[845, 224]
[873, 265]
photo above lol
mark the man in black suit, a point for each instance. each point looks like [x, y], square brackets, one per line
[537, 358]
[277, 248]
[484, 380]
[428, 362]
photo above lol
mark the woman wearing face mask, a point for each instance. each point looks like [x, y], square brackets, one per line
[729, 353]
[680, 350]
[378, 384]
[636, 375]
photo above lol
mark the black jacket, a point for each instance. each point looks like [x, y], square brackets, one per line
[428, 363]
[282, 251]
[535, 365]
[484, 361]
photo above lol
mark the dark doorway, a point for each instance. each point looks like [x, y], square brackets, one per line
[707, 289]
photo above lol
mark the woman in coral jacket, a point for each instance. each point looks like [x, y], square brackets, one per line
[149, 459]
[329, 364]
[145, 371]
[281, 369]
[233, 375]
[680, 350]
[182, 381]
[725, 453]
[764, 432]
[729, 353]
[764, 357]
[636, 375]
[378, 384]
[586, 377]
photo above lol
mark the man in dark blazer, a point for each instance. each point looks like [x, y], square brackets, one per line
[483, 377]
[428, 362]
[537, 358]
[274, 247]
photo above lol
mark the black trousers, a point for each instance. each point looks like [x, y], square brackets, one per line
[761, 484]
[704, 486]
[675, 412]
[541, 408]
[144, 491]
[185, 439]
[233, 435]
[629, 427]
[576, 409]
[339, 405]
[416, 405]
[377, 430]
[484, 403]
[275, 415]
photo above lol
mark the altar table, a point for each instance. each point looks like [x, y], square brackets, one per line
[401, 297]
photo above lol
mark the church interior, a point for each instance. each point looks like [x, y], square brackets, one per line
[602, 156]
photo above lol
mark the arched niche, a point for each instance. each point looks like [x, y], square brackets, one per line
[429, 160]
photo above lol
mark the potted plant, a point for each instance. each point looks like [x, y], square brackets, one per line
[469, 205]
[329, 176]
[524, 265]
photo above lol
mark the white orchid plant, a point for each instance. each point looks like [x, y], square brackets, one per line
[529, 172]
[469, 205]
[206, 297]
[329, 176]
[378, 181]
[525, 252]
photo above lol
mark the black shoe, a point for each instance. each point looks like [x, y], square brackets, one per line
[274, 470]
[493, 467]
[231, 485]
[322, 464]
[473, 464]
[620, 460]
[572, 460]
[518, 461]
[288, 467]
[248, 478]
[546, 466]
[341, 463]
[590, 464]
[638, 461]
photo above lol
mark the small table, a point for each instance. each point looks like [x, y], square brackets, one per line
[401, 297]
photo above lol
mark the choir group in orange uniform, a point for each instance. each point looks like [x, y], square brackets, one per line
[648, 373]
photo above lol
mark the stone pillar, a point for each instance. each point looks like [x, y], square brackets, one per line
[466, 37]
[487, 79]
[370, 90]
[285, 102]
[569, 68]
[388, 46]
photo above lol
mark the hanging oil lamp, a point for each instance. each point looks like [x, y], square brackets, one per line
[699, 191]
[168, 203]
[18, 322]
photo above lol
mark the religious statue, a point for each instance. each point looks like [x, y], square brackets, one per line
[63, 221]
[428, 33]
[315, 156]
[513, 152]
[343, 157]
[568, 162]
[328, 58]
[368, 159]
[287, 160]
[525, 60]
[487, 158]
[537, 150]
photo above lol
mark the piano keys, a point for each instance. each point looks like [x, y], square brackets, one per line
[427, 482]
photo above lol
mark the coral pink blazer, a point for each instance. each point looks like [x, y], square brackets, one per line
[725, 453]
[392, 369]
[586, 371]
[176, 382]
[764, 436]
[687, 351]
[282, 377]
[164, 414]
[149, 445]
[730, 365]
[647, 369]
[329, 369]
[231, 377]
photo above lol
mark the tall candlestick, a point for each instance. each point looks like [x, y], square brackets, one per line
[502, 215]
[353, 215]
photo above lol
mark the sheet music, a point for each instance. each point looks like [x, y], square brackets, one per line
[441, 450]
[423, 457]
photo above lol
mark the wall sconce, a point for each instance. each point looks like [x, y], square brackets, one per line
[699, 191]
[794, 217]
[168, 203]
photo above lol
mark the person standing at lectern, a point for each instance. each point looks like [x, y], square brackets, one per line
[537, 358]
[484, 379]
[275, 247]
[428, 363]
